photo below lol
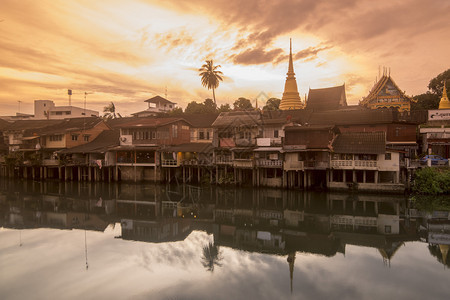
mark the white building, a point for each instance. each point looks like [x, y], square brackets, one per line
[156, 105]
[46, 109]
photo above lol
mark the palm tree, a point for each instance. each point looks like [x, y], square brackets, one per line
[110, 111]
[210, 76]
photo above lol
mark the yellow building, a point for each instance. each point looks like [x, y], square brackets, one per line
[386, 94]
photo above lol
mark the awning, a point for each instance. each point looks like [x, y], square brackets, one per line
[27, 138]
[268, 149]
[135, 148]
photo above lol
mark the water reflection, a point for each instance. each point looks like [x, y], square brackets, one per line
[259, 223]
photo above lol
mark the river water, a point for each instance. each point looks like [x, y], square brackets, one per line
[144, 241]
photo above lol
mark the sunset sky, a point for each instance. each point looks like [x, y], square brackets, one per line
[129, 51]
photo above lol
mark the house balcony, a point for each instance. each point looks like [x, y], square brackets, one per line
[294, 166]
[245, 142]
[170, 163]
[316, 164]
[50, 162]
[354, 164]
[243, 163]
[224, 160]
[269, 163]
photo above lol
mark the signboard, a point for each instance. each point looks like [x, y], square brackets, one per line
[438, 114]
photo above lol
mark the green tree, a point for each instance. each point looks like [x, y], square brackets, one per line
[425, 101]
[242, 104]
[437, 83]
[224, 108]
[209, 106]
[194, 108]
[177, 111]
[272, 104]
[210, 76]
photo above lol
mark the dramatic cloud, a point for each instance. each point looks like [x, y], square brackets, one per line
[124, 51]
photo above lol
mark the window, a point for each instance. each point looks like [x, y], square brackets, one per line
[174, 131]
[207, 135]
[387, 156]
[154, 135]
[56, 138]
[86, 137]
[275, 133]
[387, 229]
[201, 135]
[74, 137]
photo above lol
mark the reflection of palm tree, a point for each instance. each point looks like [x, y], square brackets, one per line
[211, 256]
[210, 77]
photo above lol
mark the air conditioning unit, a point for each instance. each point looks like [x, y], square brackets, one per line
[126, 140]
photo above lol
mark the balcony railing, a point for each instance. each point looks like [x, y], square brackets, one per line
[350, 164]
[169, 163]
[224, 160]
[316, 164]
[243, 163]
[269, 163]
[293, 165]
[50, 162]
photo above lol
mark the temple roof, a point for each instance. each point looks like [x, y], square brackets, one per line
[331, 98]
[380, 89]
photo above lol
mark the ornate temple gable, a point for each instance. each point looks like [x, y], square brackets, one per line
[386, 94]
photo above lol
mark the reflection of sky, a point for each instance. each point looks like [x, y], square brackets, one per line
[51, 264]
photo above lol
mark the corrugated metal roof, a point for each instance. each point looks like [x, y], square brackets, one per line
[159, 99]
[149, 122]
[104, 141]
[238, 118]
[360, 143]
[191, 147]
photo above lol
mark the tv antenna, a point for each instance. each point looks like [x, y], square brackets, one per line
[85, 94]
[69, 92]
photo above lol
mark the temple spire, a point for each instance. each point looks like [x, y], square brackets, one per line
[444, 103]
[291, 98]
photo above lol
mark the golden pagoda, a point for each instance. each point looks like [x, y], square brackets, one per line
[291, 98]
[445, 103]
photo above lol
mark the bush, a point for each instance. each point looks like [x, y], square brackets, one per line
[432, 181]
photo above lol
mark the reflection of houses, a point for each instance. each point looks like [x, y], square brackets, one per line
[156, 105]
[161, 230]
[386, 94]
